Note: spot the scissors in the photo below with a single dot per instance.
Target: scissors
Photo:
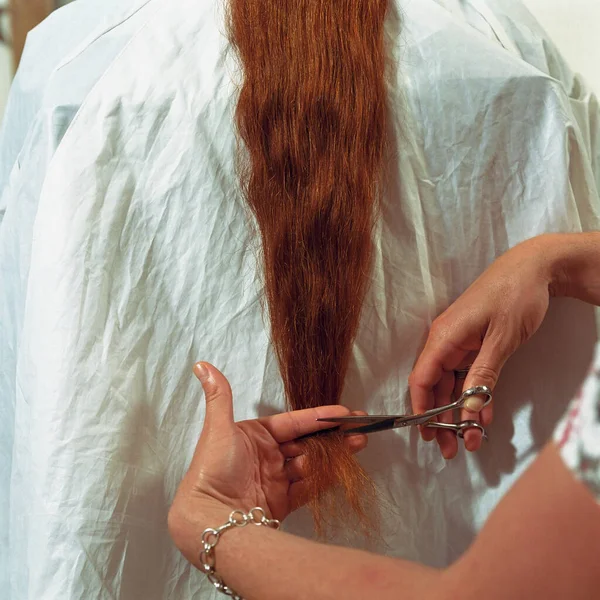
(374, 423)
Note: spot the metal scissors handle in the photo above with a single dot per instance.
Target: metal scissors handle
(459, 428)
(374, 423)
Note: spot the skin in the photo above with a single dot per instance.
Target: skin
(263, 463)
(543, 539)
(500, 311)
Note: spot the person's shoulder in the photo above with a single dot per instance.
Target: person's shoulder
(63, 58)
(519, 40)
(66, 33)
(454, 54)
(454, 38)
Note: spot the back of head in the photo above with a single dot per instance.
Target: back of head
(311, 114)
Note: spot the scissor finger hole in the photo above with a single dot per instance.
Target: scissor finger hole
(472, 438)
(467, 426)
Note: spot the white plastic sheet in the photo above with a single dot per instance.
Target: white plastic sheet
(126, 254)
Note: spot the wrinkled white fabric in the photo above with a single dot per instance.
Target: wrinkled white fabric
(63, 58)
(578, 434)
(126, 254)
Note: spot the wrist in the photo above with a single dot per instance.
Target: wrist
(573, 262)
(213, 514)
(557, 256)
(555, 250)
(189, 517)
(211, 538)
(543, 257)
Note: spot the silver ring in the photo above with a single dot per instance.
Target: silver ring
(460, 374)
(478, 390)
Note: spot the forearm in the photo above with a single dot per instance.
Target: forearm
(574, 264)
(542, 541)
(261, 563)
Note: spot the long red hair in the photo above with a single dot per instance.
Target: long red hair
(312, 118)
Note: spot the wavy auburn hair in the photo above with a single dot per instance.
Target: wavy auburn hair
(312, 118)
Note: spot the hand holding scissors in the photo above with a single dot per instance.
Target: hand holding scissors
(373, 423)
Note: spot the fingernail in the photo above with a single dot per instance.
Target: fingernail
(201, 371)
(474, 404)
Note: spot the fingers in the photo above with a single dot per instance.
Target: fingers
(292, 425)
(294, 452)
(296, 465)
(292, 449)
(424, 377)
(218, 397)
(486, 416)
(485, 370)
(298, 494)
(443, 395)
(437, 360)
(296, 468)
(355, 443)
(448, 348)
(472, 437)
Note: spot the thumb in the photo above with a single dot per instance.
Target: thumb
(218, 396)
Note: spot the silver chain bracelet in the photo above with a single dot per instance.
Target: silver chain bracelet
(210, 538)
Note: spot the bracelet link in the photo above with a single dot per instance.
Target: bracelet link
(210, 538)
(238, 518)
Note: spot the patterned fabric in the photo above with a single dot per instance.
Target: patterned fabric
(578, 435)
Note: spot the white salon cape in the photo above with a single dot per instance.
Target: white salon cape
(127, 253)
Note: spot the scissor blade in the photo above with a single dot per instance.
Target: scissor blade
(359, 419)
(412, 420)
(373, 427)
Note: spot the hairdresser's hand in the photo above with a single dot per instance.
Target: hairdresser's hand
(493, 317)
(246, 464)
